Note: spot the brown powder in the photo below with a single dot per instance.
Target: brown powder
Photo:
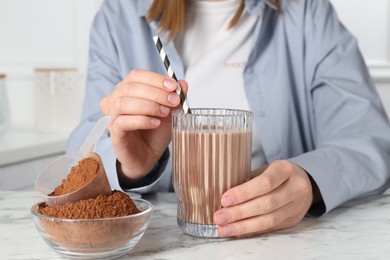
(117, 204)
(94, 228)
(79, 176)
(89, 236)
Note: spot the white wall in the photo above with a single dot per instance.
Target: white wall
(369, 20)
(54, 33)
(36, 34)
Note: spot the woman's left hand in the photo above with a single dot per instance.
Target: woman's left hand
(276, 199)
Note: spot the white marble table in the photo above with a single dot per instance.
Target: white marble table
(358, 230)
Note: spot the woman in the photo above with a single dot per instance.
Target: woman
(321, 134)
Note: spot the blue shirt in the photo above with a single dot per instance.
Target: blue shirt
(307, 84)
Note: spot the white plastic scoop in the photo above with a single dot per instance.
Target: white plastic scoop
(53, 174)
(94, 136)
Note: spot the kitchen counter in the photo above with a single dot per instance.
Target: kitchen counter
(23, 155)
(358, 230)
(23, 145)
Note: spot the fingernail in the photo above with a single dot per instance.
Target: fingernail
(164, 110)
(155, 121)
(174, 99)
(227, 201)
(221, 218)
(227, 231)
(169, 84)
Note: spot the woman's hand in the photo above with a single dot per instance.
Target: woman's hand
(276, 199)
(140, 128)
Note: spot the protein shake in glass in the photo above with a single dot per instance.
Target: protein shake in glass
(211, 151)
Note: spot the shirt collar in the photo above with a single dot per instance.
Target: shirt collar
(143, 7)
(255, 7)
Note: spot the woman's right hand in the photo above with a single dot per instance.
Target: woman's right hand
(140, 110)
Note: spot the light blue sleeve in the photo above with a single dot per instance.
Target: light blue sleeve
(103, 75)
(352, 155)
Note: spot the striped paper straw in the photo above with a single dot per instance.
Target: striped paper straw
(171, 73)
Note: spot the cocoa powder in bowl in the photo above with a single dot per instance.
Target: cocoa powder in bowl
(93, 225)
(103, 223)
(117, 204)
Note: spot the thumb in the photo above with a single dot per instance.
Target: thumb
(104, 105)
(258, 171)
(184, 86)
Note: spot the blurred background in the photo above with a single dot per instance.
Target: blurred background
(43, 59)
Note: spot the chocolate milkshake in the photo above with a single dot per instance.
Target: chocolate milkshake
(211, 153)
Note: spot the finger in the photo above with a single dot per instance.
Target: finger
(270, 179)
(125, 123)
(281, 218)
(137, 106)
(132, 114)
(156, 80)
(140, 90)
(152, 79)
(257, 206)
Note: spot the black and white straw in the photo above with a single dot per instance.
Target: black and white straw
(171, 73)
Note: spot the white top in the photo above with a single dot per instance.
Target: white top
(214, 59)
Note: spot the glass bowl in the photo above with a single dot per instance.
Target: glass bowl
(103, 238)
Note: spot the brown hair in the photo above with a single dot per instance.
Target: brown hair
(173, 14)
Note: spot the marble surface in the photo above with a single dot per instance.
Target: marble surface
(358, 230)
